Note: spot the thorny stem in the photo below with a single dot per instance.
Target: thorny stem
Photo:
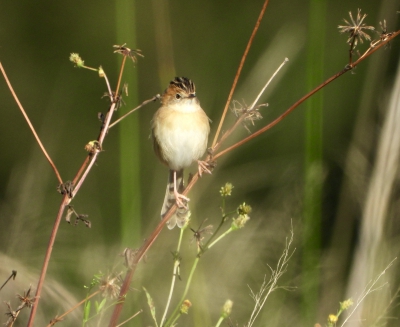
(31, 126)
(74, 307)
(246, 51)
(66, 200)
(174, 274)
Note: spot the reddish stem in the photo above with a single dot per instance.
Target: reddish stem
(246, 51)
(31, 126)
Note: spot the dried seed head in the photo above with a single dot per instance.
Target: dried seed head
(25, 300)
(110, 285)
(356, 29)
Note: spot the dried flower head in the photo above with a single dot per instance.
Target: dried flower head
(66, 188)
(356, 29)
(250, 114)
(25, 300)
(226, 190)
(110, 285)
(78, 217)
(125, 51)
(11, 314)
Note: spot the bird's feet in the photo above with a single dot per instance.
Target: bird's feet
(204, 167)
(181, 200)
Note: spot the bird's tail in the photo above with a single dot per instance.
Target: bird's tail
(180, 216)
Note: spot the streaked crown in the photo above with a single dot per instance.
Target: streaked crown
(180, 90)
(183, 85)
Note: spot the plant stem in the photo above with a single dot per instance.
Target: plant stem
(47, 259)
(74, 307)
(53, 166)
(242, 61)
(220, 237)
(174, 274)
(89, 161)
(221, 319)
(178, 307)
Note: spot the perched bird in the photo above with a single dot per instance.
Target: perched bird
(180, 131)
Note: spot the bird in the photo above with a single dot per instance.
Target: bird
(180, 130)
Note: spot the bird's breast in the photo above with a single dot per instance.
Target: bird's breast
(181, 136)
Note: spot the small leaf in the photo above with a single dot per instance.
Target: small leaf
(150, 302)
(101, 305)
(86, 312)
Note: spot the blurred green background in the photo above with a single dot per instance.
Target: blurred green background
(316, 169)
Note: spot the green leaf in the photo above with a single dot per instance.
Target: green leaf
(101, 305)
(86, 311)
(150, 302)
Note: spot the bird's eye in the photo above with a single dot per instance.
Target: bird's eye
(178, 96)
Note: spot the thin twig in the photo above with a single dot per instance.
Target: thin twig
(368, 290)
(120, 75)
(46, 260)
(243, 116)
(13, 275)
(74, 307)
(246, 51)
(31, 126)
(130, 318)
(304, 98)
(175, 273)
(154, 98)
(175, 314)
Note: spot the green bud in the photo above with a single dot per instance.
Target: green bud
(227, 309)
(76, 59)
